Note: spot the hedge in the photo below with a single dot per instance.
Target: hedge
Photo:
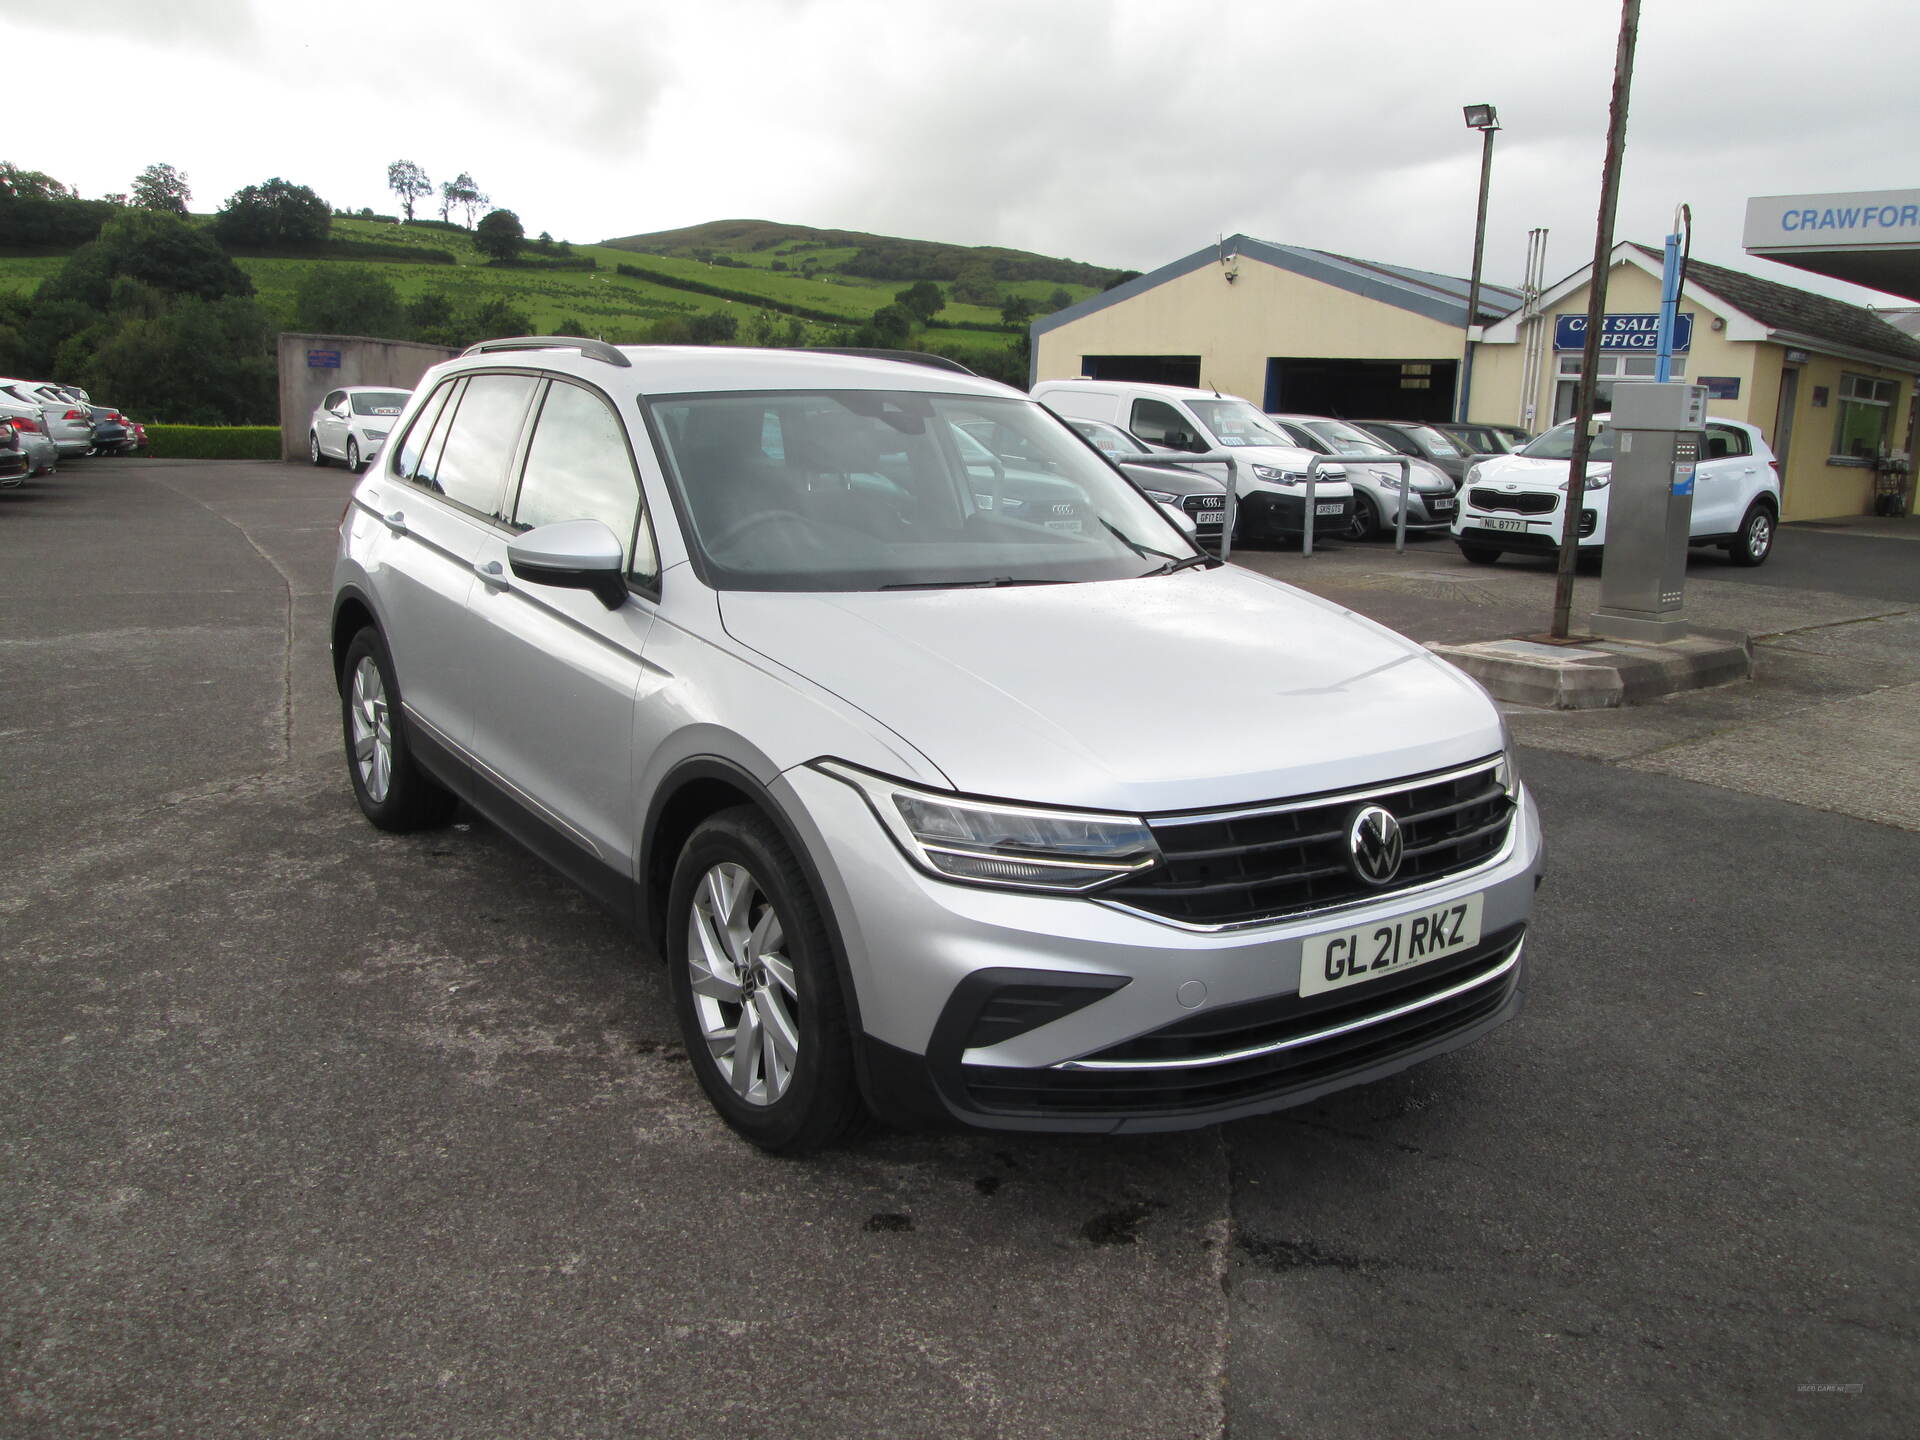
(213, 442)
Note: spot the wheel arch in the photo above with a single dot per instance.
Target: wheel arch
(352, 613)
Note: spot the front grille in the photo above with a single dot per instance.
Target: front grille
(1136, 1092)
(1194, 504)
(1522, 502)
(1250, 865)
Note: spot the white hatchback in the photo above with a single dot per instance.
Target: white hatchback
(351, 424)
(1515, 502)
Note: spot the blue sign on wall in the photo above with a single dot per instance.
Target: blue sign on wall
(323, 359)
(1623, 332)
(1721, 387)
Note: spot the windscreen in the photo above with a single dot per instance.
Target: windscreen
(1435, 441)
(875, 490)
(1557, 444)
(1235, 422)
(379, 402)
(1347, 439)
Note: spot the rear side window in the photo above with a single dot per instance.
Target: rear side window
(406, 456)
(1723, 442)
(471, 468)
(578, 468)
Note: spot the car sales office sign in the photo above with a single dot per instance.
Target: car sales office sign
(1623, 332)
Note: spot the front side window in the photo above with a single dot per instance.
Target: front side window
(1158, 423)
(1866, 415)
(875, 490)
(471, 466)
(414, 444)
(1234, 423)
(578, 468)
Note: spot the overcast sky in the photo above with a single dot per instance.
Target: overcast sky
(1123, 132)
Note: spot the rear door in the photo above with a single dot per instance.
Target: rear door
(560, 673)
(438, 499)
(1725, 480)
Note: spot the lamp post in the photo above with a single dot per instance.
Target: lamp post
(1481, 118)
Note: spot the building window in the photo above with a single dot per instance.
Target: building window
(1866, 414)
(1613, 367)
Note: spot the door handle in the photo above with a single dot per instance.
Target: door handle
(396, 522)
(492, 573)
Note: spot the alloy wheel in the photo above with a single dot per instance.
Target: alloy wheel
(744, 993)
(372, 730)
(1759, 534)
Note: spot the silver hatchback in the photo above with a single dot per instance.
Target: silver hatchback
(935, 806)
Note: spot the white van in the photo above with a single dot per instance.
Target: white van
(1272, 487)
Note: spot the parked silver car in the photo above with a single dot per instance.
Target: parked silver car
(931, 808)
(1376, 488)
(28, 421)
(66, 421)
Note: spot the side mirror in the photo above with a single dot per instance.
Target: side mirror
(572, 555)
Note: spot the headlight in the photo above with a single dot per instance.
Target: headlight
(1507, 772)
(1594, 482)
(1279, 477)
(373, 434)
(1164, 497)
(1473, 475)
(1028, 848)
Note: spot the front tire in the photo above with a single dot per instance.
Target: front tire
(353, 456)
(750, 960)
(314, 457)
(1754, 541)
(1478, 554)
(393, 791)
(1364, 523)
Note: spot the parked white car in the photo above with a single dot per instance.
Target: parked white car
(1376, 488)
(1515, 502)
(351, 423)
(1272, 484)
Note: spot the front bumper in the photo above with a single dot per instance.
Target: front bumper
(927, 958)
(1263, 514)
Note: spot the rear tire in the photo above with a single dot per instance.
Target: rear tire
(1478, 554)
(1754, 541)
(314, 457)
(393, 791)
(755, 987)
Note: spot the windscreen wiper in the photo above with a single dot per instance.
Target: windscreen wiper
(1187, 562)
(995, 582)
(1134, 545)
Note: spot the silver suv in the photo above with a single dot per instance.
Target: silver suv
(935, 806)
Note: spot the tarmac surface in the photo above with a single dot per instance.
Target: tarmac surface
(312, 1128)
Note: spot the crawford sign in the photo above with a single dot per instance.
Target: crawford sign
(1623, 332)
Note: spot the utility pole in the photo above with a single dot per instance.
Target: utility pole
(1596, 316)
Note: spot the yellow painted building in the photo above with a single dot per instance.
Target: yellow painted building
(1831, 385)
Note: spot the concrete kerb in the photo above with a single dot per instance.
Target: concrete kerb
(1600, 674)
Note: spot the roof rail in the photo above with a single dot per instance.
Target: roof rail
(592, 349)
(906, 357)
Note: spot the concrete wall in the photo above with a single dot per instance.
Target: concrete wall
(1815, 483)
(1235, 328)
(363, 361)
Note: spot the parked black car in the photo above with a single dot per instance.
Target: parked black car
(112, 434)
(1422, 441)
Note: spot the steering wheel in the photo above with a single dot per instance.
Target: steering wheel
(753, 522)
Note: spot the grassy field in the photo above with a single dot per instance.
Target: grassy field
(617, 306)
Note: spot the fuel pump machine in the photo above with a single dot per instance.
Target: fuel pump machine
(1658, 435)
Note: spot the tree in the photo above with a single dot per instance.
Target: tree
(460, 193)
(275, 215)
(410, 183)
(167, 252)
(161, 187)
(499, 235)
(974, 284)
(1017, 311)
(890, 324)
(431, 311)
(18, 184)
(495, 318)
(1059, 300)
(205, 362)
(346, 300)
(922, 299)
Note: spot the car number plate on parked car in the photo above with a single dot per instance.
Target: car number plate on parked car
(1329, 507)
(1516, 525)
(1386, 947)
(1439, 506)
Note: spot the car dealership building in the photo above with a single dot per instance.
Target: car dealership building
(1831, 384)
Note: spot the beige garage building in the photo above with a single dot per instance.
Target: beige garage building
(1831, 384)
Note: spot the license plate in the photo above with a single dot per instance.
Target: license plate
(1517, 526)
(1386, 947)
(1440, 507)
(1329, 507)
(1073, 525)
